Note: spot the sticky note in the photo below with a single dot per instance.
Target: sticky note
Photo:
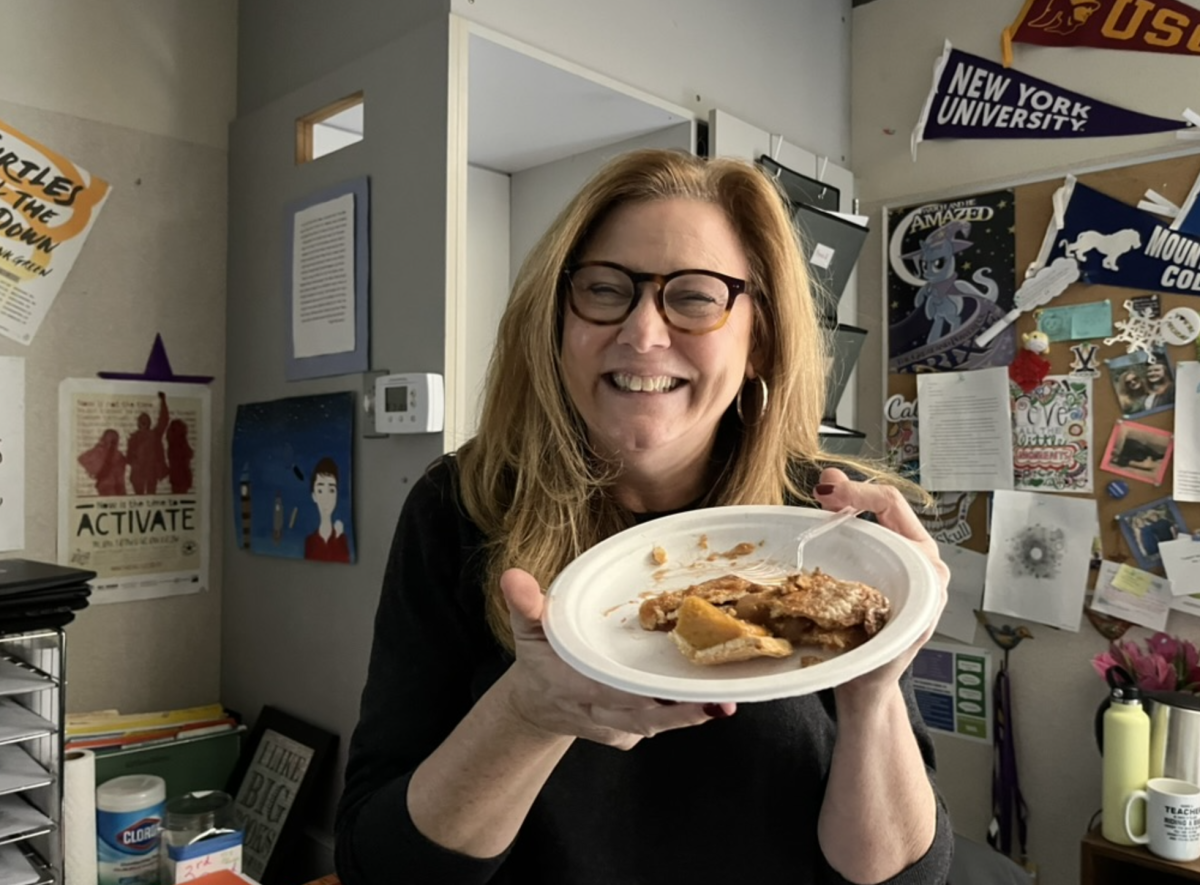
(1132, 580)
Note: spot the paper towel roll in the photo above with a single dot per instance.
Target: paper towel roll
(79, 818)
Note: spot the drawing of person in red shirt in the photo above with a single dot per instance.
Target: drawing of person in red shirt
(145, 453)
(105, 464)
(328, 543)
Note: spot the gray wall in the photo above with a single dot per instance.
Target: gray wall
(296, 635)
(285, 44)
(154, 262)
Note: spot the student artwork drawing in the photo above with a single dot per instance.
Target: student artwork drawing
(1052, 435)
(293, 478)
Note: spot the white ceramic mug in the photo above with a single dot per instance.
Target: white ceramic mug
(1172, 818)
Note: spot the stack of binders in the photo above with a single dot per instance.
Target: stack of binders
(40, 595)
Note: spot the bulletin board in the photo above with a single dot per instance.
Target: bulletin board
(1172, 178)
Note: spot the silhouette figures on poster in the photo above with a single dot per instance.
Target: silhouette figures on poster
(105, 464)
(152, 453)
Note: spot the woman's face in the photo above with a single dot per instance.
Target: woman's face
(1133, 382)
(642, 387)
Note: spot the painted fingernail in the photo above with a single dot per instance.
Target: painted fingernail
(824, 489)
(715, 711)
(665, 703)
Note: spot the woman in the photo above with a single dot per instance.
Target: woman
(480, 756)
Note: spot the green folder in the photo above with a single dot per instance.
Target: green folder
(199, 763)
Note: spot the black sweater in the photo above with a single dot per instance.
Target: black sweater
(605, 816)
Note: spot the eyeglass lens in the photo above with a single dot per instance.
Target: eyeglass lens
(691, 301)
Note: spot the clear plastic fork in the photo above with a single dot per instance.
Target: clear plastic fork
(771, 573)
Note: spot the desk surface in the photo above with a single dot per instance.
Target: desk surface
(1096, 847)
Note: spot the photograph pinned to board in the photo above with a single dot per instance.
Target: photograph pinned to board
(1138, 451)
(1132, 595)
(48, 206)
(12, 453)
(327, 282)
(1052, 435)
(134, 486)
(951, 274)
(1143, 382)
(293, 478)
(282, 761)
(1039, 557)
(1147, 526)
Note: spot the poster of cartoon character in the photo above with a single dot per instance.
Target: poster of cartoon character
(951, 275)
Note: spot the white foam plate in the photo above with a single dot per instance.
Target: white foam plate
(591, 608)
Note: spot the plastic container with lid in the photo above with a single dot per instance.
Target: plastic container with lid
(195, 816)
(129, 815)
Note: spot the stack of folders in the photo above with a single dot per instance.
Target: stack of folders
(107, 731)
(40, 595)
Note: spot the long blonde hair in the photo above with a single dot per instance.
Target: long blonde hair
(528, 479)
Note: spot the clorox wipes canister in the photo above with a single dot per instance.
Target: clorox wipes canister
(129, 816)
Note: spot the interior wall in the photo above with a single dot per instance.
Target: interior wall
(296, 635)
(283, 44)
(540, 193)
(166, 68)
(1055, 691)
(489, 275)
(153, 125)
(783, 65)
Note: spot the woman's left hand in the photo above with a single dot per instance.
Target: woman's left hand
(892, 511)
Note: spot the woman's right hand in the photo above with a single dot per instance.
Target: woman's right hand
(552, 698)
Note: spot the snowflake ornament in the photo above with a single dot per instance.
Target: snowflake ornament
(1142, 331)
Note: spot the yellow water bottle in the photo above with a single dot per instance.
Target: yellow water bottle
(1126, 762)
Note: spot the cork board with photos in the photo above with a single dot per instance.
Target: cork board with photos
(953, 266)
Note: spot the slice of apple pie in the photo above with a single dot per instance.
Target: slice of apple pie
(731, 618)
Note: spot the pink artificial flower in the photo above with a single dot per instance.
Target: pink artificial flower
(1165, 663)
(1164, 645)
(1190, 656)
(1104, 660)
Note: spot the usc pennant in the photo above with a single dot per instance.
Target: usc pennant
(1143, 25)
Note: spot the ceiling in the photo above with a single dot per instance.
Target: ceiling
(524, 112)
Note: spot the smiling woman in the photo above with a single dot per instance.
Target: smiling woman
(660, 352)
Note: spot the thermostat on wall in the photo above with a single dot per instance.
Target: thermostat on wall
(411, 403)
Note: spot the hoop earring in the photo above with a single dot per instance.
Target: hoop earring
(765, 396)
